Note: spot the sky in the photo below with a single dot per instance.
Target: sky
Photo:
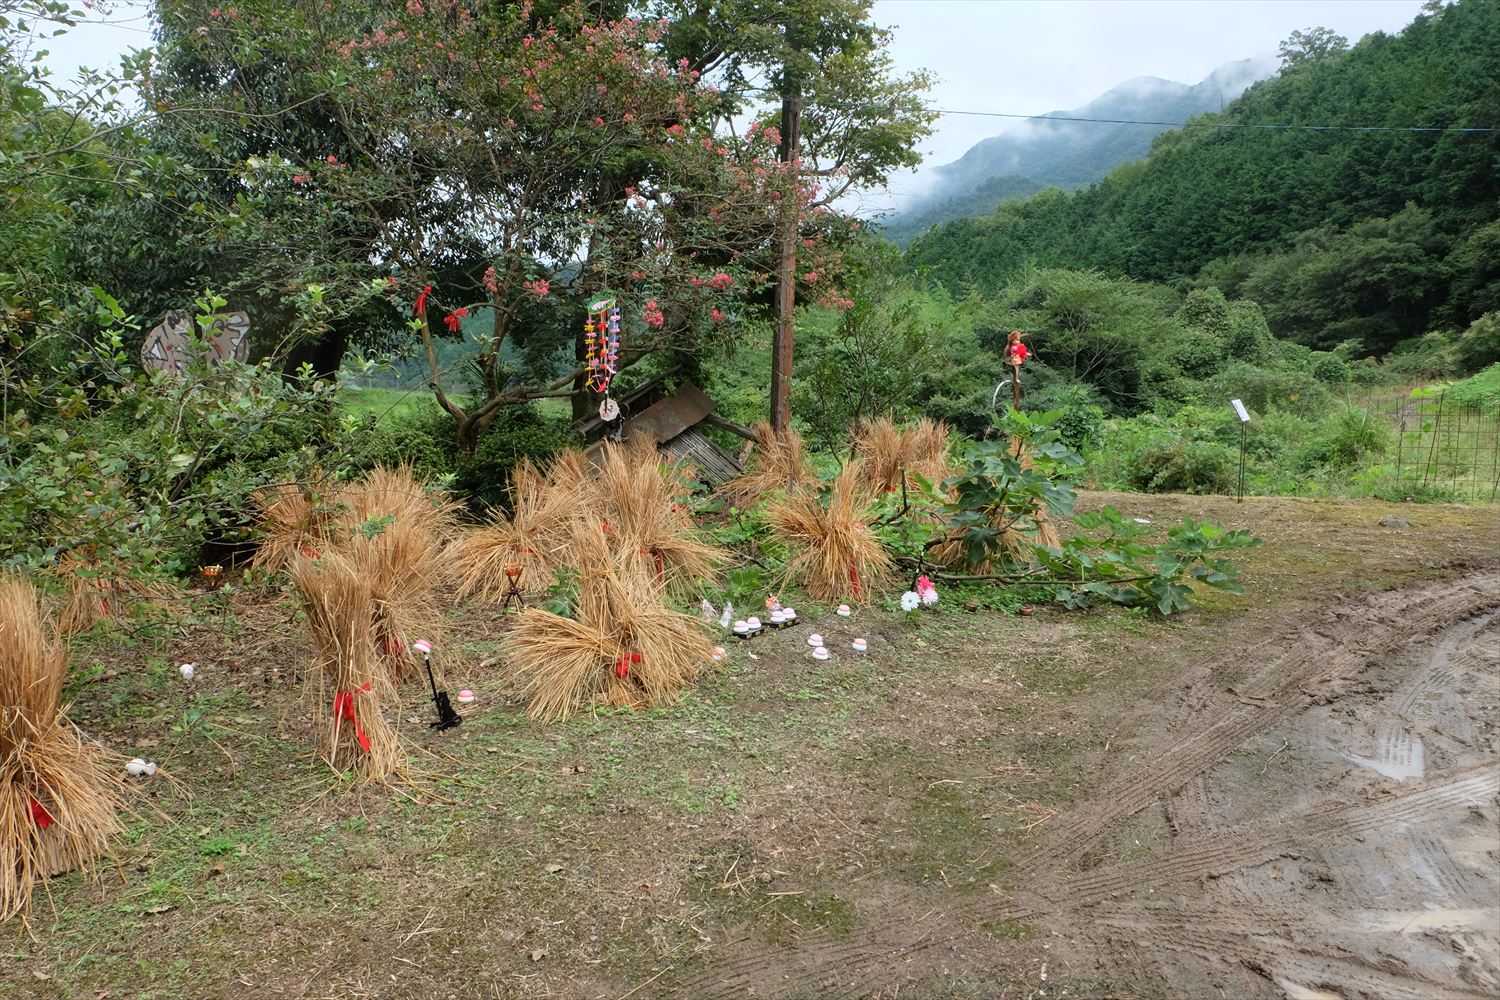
(1013, 56)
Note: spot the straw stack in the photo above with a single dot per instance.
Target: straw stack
(891, 454)
(622, 647)
(531, 537)
(59, 795)
(294, 519)
(353, 682)
(779, 464)
(832, 550)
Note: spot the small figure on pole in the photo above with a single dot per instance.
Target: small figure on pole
(1015, 353)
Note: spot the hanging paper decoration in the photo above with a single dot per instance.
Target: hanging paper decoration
(602, 332)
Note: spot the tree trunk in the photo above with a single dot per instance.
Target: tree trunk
(786, 272)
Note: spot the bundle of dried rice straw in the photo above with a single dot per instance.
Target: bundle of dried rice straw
(832, 550)
(392, 530)
(353, 683)
(98, 591)
(294, 518)
(778, 464)
(647, 527)
(59, 796)
(622, 647)
(891, 454)
(530, 538)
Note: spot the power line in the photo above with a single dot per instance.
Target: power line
(1281, 127)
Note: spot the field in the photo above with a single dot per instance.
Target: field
(1272, 791)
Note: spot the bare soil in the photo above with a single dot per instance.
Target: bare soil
(1293, 793)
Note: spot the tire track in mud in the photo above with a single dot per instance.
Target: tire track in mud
(1315, 663)
(1291, 683)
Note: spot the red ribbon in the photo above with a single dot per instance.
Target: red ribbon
(661, 566)
(854, 579)
(421, 305)
(39, 814)
(623, 667)
(343, 709)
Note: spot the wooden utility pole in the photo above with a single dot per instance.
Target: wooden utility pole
(786, 272)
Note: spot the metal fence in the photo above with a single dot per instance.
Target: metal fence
(1443, 447)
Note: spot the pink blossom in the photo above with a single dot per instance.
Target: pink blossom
(718, 315)
(720, 281)
(491, 282)
(539, 287)
(598, 122)
(636, 276)
(674, 129)
(330, 158)
(299, 178)
(414, 7)
(696, 281)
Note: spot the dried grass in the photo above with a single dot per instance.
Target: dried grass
(779, 464)
(528, 538)
(59, 796)
(832, 550)
(646, 522)
(890, 453)
(293, 518)
(623, 647)
(353, 683)
(98, 592)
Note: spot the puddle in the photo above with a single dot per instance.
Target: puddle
(1399, 755)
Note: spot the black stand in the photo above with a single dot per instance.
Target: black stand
(447, 717)
(1242, 463)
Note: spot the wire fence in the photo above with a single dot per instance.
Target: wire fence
(1442, 449)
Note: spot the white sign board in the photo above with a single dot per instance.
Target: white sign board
(1240, 411)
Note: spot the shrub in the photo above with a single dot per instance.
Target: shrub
(1182, 463)
(1481, 390)
(1330, 368)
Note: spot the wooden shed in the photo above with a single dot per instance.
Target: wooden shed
(675, 420)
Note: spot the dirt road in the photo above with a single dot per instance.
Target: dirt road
(1314, 816)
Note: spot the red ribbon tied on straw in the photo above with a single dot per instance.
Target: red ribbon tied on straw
(623, 667)
(343, 710)
(39, 814)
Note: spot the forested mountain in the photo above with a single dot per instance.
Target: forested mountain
(1039, 153)
(1357, 228)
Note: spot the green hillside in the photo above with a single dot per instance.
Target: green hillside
(1340, 233)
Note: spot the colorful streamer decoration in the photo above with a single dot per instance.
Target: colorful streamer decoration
(603, 334)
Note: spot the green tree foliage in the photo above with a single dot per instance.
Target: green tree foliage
(1342, 234)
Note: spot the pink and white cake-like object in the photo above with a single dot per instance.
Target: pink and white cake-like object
(815, 640)
(466, 697)
(820, 653)
(860, 645)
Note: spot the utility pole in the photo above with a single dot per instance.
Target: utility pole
(786, 272)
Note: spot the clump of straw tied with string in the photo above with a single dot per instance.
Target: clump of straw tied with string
(832, 549)
(354, 684)
(60, 795)
(622, 645)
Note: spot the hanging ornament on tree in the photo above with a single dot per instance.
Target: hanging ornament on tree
(602, 333)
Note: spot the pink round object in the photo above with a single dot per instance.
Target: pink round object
(422, 646)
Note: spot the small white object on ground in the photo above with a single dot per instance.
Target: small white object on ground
(753, 622)
(778, 617)
(910, 600)
(742, 628)
(844, 611)
(138, 767)
(791, 614)
(187, 670)
(718, 653)
(465, 696)
(815, 640)
(820, 653)
(727, 616)
(1141, 520)
(860, 645)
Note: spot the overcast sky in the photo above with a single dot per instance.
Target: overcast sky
(1014, 56)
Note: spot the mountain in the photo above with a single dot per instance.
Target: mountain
(1353, 196)
(1038, 154)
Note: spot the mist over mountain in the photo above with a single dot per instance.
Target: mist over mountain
(1037, 154)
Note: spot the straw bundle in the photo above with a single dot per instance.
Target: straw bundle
(392, 530)
(293, 518)
(97, 592)
(353, 682)
(891, 453)
(529, 538)
(59, 796)
(780, 463)
(832, 551)
(646, 522)
(622, 648)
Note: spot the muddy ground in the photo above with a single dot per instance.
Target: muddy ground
(1291, 793)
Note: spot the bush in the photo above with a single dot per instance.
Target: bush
(1330, 368)
(1354, 436)
(1481, 390)
(1183, 464)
